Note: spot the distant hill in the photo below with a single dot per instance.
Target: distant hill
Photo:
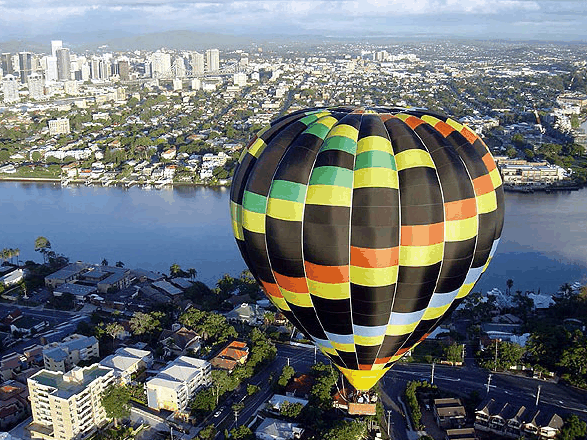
(186, 39)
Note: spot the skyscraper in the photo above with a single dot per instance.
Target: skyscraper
(25, 61)
(63, 65)
(160, 64)
(7, 66)
(197, 63)
(36, 86)
(212, 60)
(55, 46)
(10, 89)
(124, 70)
(50, 66)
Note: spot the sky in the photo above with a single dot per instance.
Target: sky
(563, 20)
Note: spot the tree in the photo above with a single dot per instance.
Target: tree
(193, 273)
(454, 352)
(346, 430)
(241, 433)
(42, 245)
(574, 428)
(113, 328)
(146, 323)
(174, 269)
(291, 410)
(115, 401)
(286, 374)
(252, 389)
(509, 283)
(207, 433)
(119, 264)
(104, 262)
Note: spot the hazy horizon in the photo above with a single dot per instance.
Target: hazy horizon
(544, 20)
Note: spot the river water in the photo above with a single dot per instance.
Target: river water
(544, 242)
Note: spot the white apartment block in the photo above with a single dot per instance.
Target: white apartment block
(126, 361)
(10, 89)
(176, 384)
(59, 126)
(68, 406)
(61, 356)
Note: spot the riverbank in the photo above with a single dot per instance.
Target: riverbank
(120, 184)
(529, 189)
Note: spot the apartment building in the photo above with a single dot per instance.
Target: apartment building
(67, 405)
(127, 361)
(61, 356)
(176, 384)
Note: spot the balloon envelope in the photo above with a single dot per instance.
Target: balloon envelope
(366, 226)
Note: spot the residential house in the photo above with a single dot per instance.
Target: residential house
(277, 401)
(67, 406)
(449, 413)
(126, 361)
(62, 356)
(461, 434)
(249, 313)
(229, 357)
(11, 277)
(14, 405)
(174, 386)
(28, 325)
(274, 429)
(300, 386)
(514, 420)
(179, 342)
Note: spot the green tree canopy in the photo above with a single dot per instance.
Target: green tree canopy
(115, 401)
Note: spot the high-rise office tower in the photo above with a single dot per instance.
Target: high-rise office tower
(212, 60)
(197, 63)
(36, 86)
(124, 70)
(7, 66)
(63, 64)
(160, 64)
(49, 64)
(10, 88)
(25, 62)
(55, 46)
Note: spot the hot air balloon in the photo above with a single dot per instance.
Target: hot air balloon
(364, 227)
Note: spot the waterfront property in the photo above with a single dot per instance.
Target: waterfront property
(67, 406)
(104, 278)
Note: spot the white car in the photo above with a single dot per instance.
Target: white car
(217, 413)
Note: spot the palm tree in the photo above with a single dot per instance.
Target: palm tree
(509, 283)
(104, 262)
(16, 254)
(193, 273)
(42, 245)
(174, 269)
(119, 264)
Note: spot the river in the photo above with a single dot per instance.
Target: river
(544, 242)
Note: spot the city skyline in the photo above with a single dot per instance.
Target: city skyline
(501, 19)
